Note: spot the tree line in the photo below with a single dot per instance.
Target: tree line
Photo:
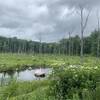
(68, 46)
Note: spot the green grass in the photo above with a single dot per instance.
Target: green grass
(19, 89)
(37, 90)
(22, 61)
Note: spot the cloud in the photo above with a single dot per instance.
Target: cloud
(52, 18)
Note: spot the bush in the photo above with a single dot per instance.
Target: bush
(69, 81)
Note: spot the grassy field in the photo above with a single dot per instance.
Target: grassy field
(69, 80)
(22, 61)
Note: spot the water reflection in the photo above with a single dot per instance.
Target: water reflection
(26, 75)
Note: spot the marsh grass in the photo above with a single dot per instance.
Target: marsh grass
(17, 89)
(70, 81)
(13, 62)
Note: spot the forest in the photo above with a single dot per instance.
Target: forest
(68, 46)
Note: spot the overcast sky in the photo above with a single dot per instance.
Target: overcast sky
(53, 19)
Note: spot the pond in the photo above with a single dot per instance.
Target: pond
(25, 75)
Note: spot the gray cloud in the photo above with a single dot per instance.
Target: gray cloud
(52, 18)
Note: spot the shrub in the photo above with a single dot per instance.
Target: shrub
(68, 81)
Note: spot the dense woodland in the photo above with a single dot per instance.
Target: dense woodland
(69, 46)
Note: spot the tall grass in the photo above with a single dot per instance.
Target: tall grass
(20, 89)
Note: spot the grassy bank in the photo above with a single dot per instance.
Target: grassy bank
(12, 62)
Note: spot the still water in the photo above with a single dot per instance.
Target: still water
(26, 75)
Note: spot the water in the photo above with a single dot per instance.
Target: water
(26, 75)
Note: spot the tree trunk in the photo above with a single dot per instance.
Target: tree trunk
(81, 36)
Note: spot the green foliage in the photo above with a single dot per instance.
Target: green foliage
(66, 83)
(70, 80)
(65, 46)
(74, 80)
(98, 92)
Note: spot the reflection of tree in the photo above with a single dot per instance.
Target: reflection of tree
(2, 80)
(18, 73)
(11, 75)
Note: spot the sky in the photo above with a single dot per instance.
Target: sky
(50, 19)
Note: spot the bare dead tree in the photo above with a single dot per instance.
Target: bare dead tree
(98, 41)
(83, 27)
(69, 48)
(39, 36)
(69, 43)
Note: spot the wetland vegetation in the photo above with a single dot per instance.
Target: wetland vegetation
(36, 66)
(69, 79)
